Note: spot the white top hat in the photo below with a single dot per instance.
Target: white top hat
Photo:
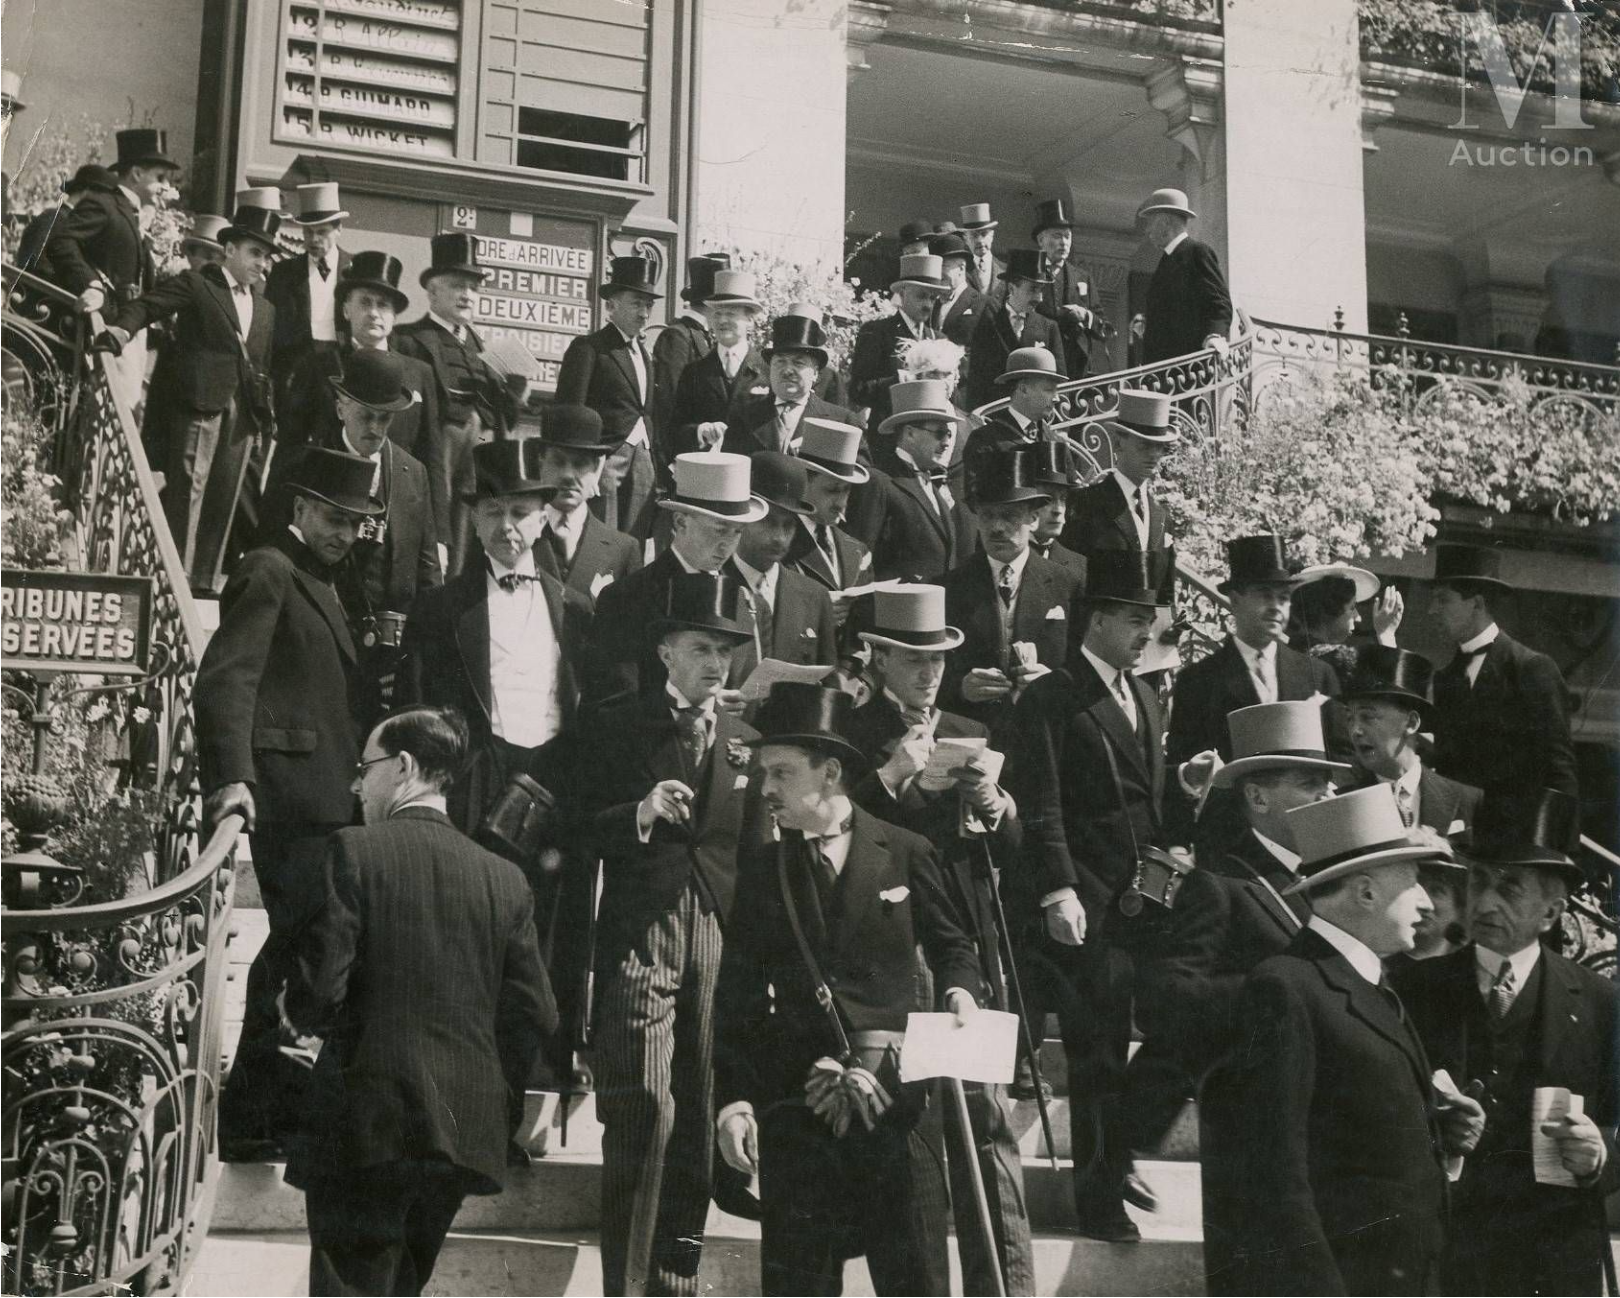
(918, 401)
(1348, 834)
(714, 484)
(832, 448)
(976, 216)
(1271, 735)
(912, 617)
(734, 288)
(1145, 415)
(206, 230)
(319, 205)
(923, 269)
(267, 198)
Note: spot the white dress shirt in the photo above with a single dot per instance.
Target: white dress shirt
(323, 300)
(1480, 641)
(638, 360)
(1262, 665)
(1488, 964)
(1174, 243)
(1136, 493)
(1113, 678)
(1353, 949)
(1409, 784)
(732, 358)
(761, 589)
(568, 526)
(524, 658)
(457, 331)
(1288, 860)
(242, 300)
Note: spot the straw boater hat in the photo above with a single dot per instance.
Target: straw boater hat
(1166, 200)
(1253, 560)
(1144, 415)
(631, 275)
(703, 601)
(912, 617)
(376, 379)
(1469, 566)
(976, 216)
(257, 217)
(918, 401)
(1127, 577)
(500, 468)
(1009, 477)
(715, 485)
(735, 288)
(374, 270)
(454, 253)
(1349, 834)
(1031, 363)
(1276, 736)
(1366, 583)
(834, 449)
(1025, 263)
(1052, 214)
(922, 270)
(780, 480)
(807, 716)
(1539, 833)
(335, 478)
(319, 205)
(1398, 675)
(700, 272)
(205, 231)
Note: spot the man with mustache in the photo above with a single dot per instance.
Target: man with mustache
(578, 548)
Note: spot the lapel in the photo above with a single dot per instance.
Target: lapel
(220, 294)
(1124, 524)
(619, 350)
(472, 631)
(720, 780)
(1034, 601)
(1293, 674)
(318, 592)
(1004, 329)
(1561, 1010)
(908, 483)
(812, 563)
(1245, 854)
(556, 602)
(660, 749)
(865, 875)
(1105, 711)
(1239, 685)
(132, 215)
(593, 544)
(1437, 801)
(1371, 1006)
(300, 289)
(981, 609)
(1493, 670)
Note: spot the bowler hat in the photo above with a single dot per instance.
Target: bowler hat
(829, 447)
(1399, 675)
(807, 716)
(780, 480)
(1127, 577)
(922, 270)
(976, 216)
(375, 379)
(700, 273)
(142, 146)
(714, 484)
(1251, 560)
(1145, 415)
(572, 427)
(735, 288)
(337, 479)
(703, 601)
(318, 205)
(454, 253)
(1007, 477)
(798, 333)
(1270, 736)
(374, 270)
(1031, 363)
(1350, 833)
(206, 231)
(1539, 829)
(1166, 200)
(1025, 264)
(500, 468)
(90, 176)
(918, 401)
(257, 217)
(1465, 566)
(1052, 214)
(631, 275)
(944, 246)
(911, 617)
(915, 232)
(1366, 583)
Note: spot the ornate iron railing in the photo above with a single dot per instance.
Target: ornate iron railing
(112, 1013)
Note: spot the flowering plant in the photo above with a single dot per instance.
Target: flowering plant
(844, 305)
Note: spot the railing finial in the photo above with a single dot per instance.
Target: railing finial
(1403, 328)
(1338, 318)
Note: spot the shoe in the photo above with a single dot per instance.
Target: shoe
(1111, 1226)
(1023, 1084)
(736, 1199)
(517, 1156)
(1137, 1193)
(250, 1150)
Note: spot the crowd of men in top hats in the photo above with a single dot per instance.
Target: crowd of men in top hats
(679, 651)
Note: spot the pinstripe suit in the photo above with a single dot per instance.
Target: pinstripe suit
(664, 903)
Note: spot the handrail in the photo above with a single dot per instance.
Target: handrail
(1597, 849)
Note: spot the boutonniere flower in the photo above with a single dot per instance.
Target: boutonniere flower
(737, 753)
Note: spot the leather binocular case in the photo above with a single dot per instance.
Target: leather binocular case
(383, 629)
(514, 825)
(1156, 882)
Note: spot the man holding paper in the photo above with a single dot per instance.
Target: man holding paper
(815, 992)
(1518, 1024)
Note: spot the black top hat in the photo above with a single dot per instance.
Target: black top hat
(781, 480)
(1252, 559)
(1007, 477)
(90, 176)
(141, 146)
(1385, 672)
(1054, 465)
(1025, 263)
(454, 253)
(337, 479)
(1463, 566)
(577, 428)
(703, 601)
(1541, 829)
(376, 379)
(915, 232)
(1052, 214)
(798, 333)
(950, 245)
(374, 270)
(700, 275)
(807, 716)
(631, 274)
(500, 468)
(1127, 576)
(257, 223)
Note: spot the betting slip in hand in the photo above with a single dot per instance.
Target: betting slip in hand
(892, 583)
(773, 670)
(1551, 1104)
(1445, 1088)
(951, 755)
(982, 1049)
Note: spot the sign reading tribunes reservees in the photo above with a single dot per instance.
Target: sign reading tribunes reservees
(91, 623)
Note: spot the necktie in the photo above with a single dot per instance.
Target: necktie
(1403, 800)
(783, 429)
(323, 269)
(559, 547)
(693, 730)
(1042, 548)
(829, 551)
(764, 624)
(1265, 683)
(1393, 998)
(917, 717)
(1500, 997)
(1122, 695)
(1470, 660)
(728, 365)
(1017, 319)
(822, 871)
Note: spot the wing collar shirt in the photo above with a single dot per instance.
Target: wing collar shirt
(524, 658)
(1483, 640)
(1353, 949)
(638, 361)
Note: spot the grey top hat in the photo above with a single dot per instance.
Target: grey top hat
(1272, 735)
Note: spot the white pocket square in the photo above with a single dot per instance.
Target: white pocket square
(758, 392)
(1056, 614)
(866, 561)
(1456, 827)
(895, 895)
(741, 782)
(600, 582)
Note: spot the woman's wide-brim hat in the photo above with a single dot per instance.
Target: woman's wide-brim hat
(911, 617)
(1128, 577)
(1144, 415)
(714, 484)
(1031, 363)
(1539, 830)
(735, 288)
(1256, 560)
(829, 447)
(1398, 675)
(1166, 200)
(703, 601)
(807, 716)
(504, 467)
(376, 379)
(920, 401)
(257, 217)
(335, 478)
(319, 205)
(1277, 736)
(1366, 583)
(1469, 565)
(378, 271)
(454, 253)
(1350, 834)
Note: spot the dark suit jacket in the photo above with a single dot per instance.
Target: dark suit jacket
(802, 629)
(867, 949)
(1071, 286)
(1100, 519)
(1077, 833)
(854, 560)
(423, 975)
(1069, 560)
(1510, 733)
(308, 409)
(209, 362)
(272, 698)
(993, 341)
(1441, 802)
(874, 365)
(1208, 689)
(998, 268)
(1187, 301)
(464, 378)
(100, 240)
(680, 344)
(597, 372)
(962, 319)
(1040, 616)
(1340, 1166)
(287, 286)
(751, 422)
(908, 538)
(705, 396)
(601, 553)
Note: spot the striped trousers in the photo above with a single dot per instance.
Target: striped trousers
(654, 1051)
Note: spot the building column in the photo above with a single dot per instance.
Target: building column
(768, 129)
(1188, 93)
(1295, 208)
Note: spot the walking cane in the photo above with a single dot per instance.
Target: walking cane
(979, 1197)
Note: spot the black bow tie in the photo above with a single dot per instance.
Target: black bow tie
(509, 581)
(1042, 548)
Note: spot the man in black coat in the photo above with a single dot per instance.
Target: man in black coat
(684, 341)
(808, 1092)
(1501, 715)
(277, 744)
(769, 421)
(1507, 1014)
(1087, 769)
(577, 548)
(1188, 306)
(956, 313)
(99, 252)
(909, 513)
(984, 268)
(1066, 295)
(32, 247)
(1119, 510)
(422, 975)
(1012, 323)
(831, 452)
(304, 289)
(1030, 383)
(730, 371)
(215, 388)
(874, 365)
(611, 372)
(1338, 1132)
